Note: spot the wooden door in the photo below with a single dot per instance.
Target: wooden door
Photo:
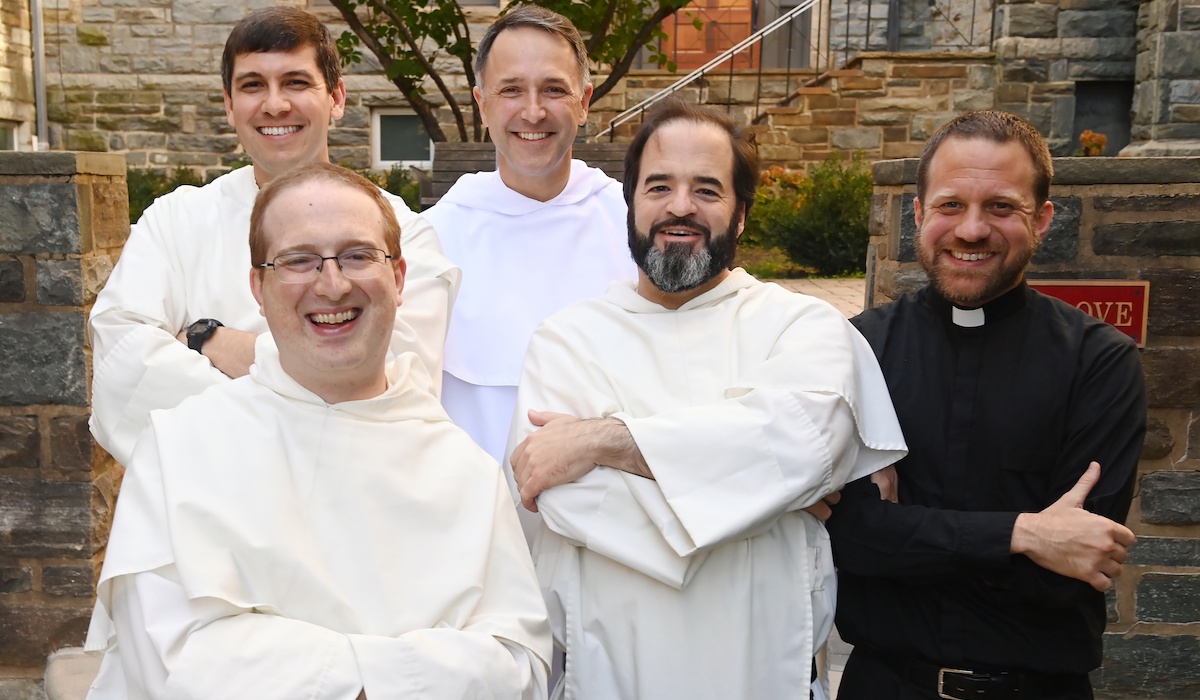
(726, 22)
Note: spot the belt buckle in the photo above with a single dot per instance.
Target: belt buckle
(941, 680)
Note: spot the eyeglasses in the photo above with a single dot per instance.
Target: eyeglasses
(356, 264)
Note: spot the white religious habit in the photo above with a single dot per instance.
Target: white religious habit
(188, 258)
(268, 545)
(522, 260)
(748, 403)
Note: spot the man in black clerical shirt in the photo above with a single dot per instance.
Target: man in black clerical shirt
(1024, 419)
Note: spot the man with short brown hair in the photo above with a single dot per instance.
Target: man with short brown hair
(319, 528)
(174, 317)
(1024, 420)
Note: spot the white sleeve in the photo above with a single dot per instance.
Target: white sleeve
(172, 647)
(722, 472)
(138, 365)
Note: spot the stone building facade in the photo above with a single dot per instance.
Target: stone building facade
(1118, 219)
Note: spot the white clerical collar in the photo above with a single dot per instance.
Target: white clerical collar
(967, 318)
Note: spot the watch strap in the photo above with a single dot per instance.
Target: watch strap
(199, 332)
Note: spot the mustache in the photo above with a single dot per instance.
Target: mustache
(678, 222)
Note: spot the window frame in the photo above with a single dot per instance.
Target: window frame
(377, 141)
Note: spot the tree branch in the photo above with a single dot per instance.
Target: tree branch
(620, 68)
(423, 109)
(598, 35)
(429, 69)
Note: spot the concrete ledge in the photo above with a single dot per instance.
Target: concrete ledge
(61, 163)
(1074, 171)
(69, 674)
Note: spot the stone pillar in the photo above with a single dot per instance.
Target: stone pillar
(1166, 101)
(63, 219)
(1117, 218)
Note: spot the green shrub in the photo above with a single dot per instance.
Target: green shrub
(819, 221)
(399, 181)
(147, 185)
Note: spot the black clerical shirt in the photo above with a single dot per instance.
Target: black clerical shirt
(1001, 418)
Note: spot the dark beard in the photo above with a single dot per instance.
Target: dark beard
(1004, 279)
(677, 268)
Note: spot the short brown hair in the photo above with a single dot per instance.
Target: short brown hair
(281, 28)
(329, 173)
(745, 150)
(998, 127)
(539, 18)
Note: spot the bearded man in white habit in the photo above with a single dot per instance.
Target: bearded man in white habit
(688, 420)
(176, 316)
(318, 528)
(539, 233)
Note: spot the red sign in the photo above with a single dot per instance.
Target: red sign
(1121, 303)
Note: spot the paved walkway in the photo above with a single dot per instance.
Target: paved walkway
(845, 294)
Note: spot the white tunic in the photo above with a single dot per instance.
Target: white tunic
(187, 258)
(522, 260)
(269, 545)
(748, 404)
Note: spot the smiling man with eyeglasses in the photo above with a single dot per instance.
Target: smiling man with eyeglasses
(286, 534)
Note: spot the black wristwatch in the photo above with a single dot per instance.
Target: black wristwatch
(199, 332)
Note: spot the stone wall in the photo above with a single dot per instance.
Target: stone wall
(16, 63)
(63, 220)
(1167, 98)
(1117, 218)
(1044, 48)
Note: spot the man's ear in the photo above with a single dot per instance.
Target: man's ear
(1045, 215)
(400, 268)
(228, 108)
(741, 224)
(256, 284)
(477, 92)
(918, 214)
(587, 101)
(339, 100)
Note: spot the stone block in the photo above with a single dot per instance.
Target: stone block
(1180, 55)
(205, 12)
(116, 64)
(834, 117)
(20, 443)
(110, 214)
(1059, 70)
(1144, 665)
(44, 359)
(173, 46)
(879, 214)
(1165, 551)
(1096, 23)
(1153, 238)
(894, 283)
(89, 35)
(29, 632)
(71, 444)
(39, 218)
(925, 126)
(1171, 598)
(906, 149)
(1111, 614)
(99, 15)
(1159, 442)
(1177, 132)
(1025, 71)
(894, 172)
(16, 579)
(96, 271)
(808, 135)
(1185, 91)
(207, 143)
(1171, 379)
(1032, 20)
(12, 280)
(45, 519)
(355, 118)
(60, 282)
(1170, 498)
(74, 581)
(1170, 202)
(885, 119)
(906, 251)
(971, 100)
(1189, 18)
(858, 138)
(348, 137)
(85, 140)
(1185, 113)
(1174, 301)
(1061, 243)
(1193, 445)
(981, 77)
(138, 123)
(150, 30)
(149, 64)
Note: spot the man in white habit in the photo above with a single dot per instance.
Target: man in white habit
(318, 528)
(720, 408)
(539, 233)
(176, 316)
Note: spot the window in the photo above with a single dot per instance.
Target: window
(398, 138)
(8, 135)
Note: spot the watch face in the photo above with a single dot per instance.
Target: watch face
(197, 327)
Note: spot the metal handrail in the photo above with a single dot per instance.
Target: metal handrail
(754, 38)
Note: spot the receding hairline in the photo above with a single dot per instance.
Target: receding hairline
(1030, 184)
(571, 67)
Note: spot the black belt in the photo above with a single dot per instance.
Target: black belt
(974, 684)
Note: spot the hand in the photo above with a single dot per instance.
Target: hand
(230, 350)
(362, 694)
(888, 482)
(1071, 541)
(565, 448)
(820, 510)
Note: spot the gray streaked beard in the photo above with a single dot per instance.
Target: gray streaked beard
(677, 269)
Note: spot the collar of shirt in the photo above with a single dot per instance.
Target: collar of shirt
(488, 192)
(995, 310)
